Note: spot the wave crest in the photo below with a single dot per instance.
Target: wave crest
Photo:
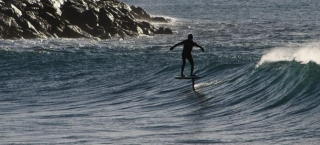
(304, 54)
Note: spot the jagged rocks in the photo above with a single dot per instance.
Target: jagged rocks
(17, 3)
(106, 19)
(159, 19)
(75, 18)
(10, 28)
(2, 3)
(89, 17)
(57, 26)
(98, 31)
(140, 13)
(51, 6)
(73, 31)
(29, 31)
(72, 13)
(11, 11)
(162, 30)
(37, 21)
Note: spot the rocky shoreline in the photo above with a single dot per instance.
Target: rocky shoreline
(94, 19)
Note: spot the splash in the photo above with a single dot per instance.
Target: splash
(210, 83)
(303, 54)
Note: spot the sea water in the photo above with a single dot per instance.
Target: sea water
(260, 80)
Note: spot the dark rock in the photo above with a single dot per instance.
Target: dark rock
(52, 6)
(93, 6)
(126, 11)
(78, 3)
(168, 31)
(98, 31)
(117, 14)
(106, 19)
(147, 28)
(147, 25)
(73, 31)
(34, 9)
(86, 28)
(121, 33)
(31, 2)
(127, 33)
(2, 3)
(11, 11)
(17, 12)
(36, 21)
(162, 30)
(106, 36)
(11, 29)
(72, 13)
(29, 31)
(57, 26)
(7, 11)
(132, 26)
(159, 19)
(127, 18)
(7, 21)
(111, 30)
(140, 13)
(2, 31)
(13, 35)
(34, 6)
(17, 3)
(74, 18)
(30, 34)
(88, 17)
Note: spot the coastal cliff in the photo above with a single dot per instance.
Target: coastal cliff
(94, 19)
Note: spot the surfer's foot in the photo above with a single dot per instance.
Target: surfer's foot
(193, 75)
(183, 75)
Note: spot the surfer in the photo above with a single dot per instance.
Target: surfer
(186, 53)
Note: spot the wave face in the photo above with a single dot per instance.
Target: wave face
(259, 85)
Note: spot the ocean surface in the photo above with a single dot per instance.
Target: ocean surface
(260, 80)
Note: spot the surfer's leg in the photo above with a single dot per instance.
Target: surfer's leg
(191, 63)
(183, 64)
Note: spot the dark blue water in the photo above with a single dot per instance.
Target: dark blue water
(260, 80)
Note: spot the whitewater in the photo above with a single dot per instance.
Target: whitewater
(260, 80)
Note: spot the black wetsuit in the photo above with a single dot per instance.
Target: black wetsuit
(186, 53)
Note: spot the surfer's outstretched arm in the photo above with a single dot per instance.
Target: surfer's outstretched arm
(195, 44)
(176, 45)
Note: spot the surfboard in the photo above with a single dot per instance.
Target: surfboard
(187, 77)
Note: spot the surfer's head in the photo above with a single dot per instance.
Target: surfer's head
(190, 36)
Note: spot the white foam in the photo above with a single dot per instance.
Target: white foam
(302, 53)
(210, 83)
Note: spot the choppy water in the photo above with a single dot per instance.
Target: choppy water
(260, 85)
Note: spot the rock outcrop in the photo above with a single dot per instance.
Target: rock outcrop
(94, 19)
